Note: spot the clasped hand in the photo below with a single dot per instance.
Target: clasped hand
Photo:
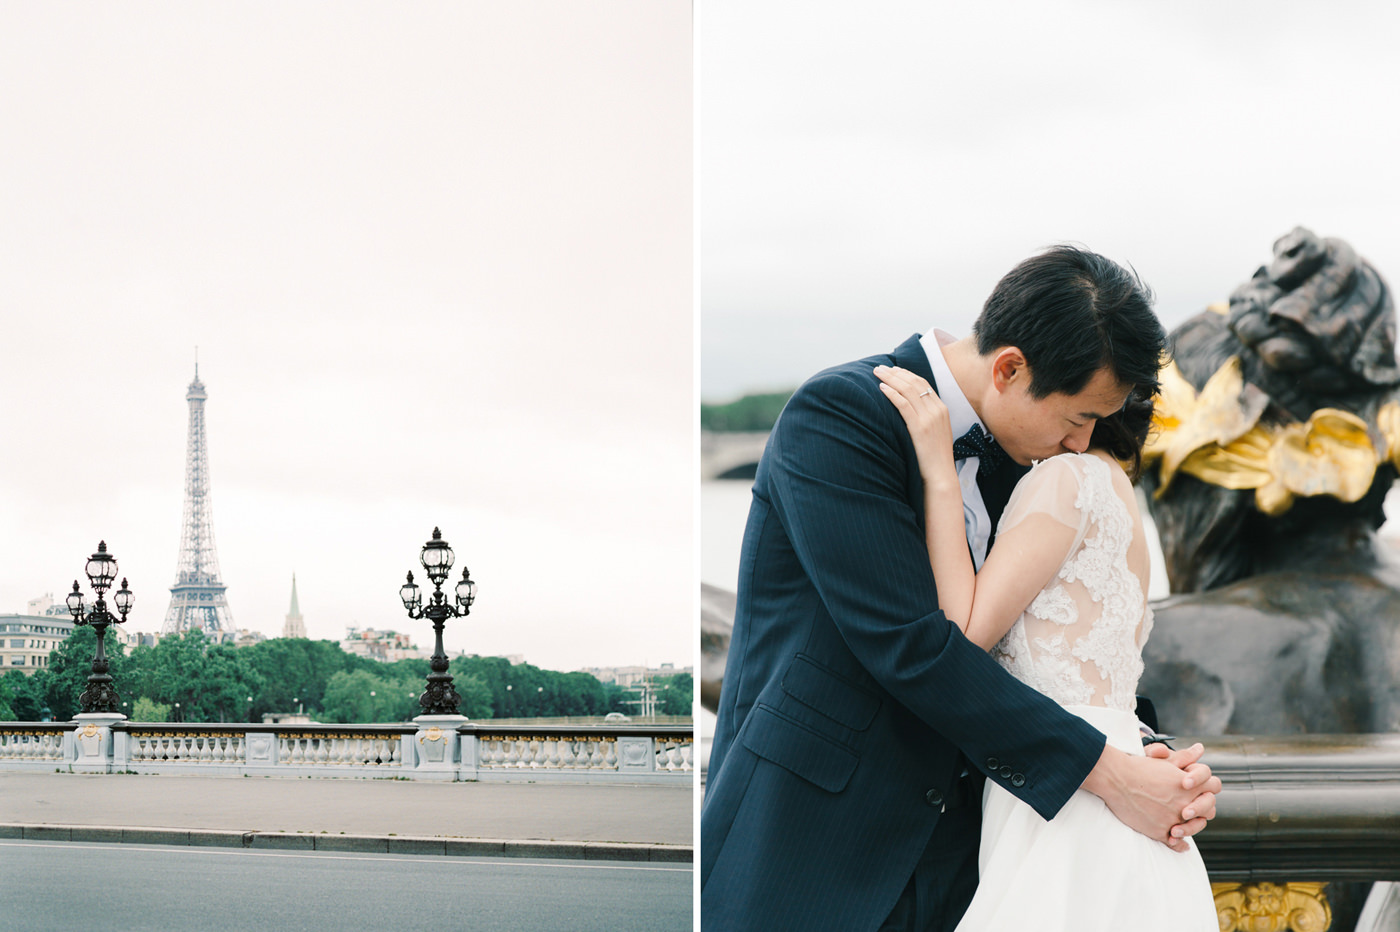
(1167, 795)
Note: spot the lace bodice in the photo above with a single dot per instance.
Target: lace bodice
(1080, 640)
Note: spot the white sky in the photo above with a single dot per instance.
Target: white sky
(437, 260)
(871, 170)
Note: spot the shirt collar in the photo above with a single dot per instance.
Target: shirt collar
(961, 417)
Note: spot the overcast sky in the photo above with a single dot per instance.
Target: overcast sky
(871, 170)
(437, 259)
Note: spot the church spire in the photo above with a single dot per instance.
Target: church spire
(295, 627)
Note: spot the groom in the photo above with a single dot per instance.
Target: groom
(856, 723)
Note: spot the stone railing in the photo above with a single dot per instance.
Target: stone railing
(433, 748)
(324, 750)
(1297, 812)
(1321, 807)
(658, 751)
(31, 746)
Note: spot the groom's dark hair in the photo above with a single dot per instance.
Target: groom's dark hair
(1072, 312)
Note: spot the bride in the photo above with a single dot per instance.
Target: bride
(1061, 603)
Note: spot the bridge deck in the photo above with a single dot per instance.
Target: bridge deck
(373, 809)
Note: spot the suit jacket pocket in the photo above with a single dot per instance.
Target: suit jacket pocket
(829, 693)
(794, 746)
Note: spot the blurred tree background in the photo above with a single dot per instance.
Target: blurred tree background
(751, 412)
(188, 679)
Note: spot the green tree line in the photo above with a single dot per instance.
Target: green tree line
(752, 412)
(188, 679)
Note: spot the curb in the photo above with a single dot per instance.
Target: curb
(373, 844)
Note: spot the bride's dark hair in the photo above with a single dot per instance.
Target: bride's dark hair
(1123, 432)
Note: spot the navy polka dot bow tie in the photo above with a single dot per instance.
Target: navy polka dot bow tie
(977, 442)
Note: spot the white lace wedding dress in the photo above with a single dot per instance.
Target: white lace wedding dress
(1080, 643)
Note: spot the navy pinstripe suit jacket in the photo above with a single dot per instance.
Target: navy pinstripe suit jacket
(849, 700)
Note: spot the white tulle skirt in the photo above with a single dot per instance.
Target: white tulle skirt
(1083, 870)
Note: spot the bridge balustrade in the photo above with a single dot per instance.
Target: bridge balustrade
(443, 750)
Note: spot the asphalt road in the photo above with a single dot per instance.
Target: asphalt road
(58, 887)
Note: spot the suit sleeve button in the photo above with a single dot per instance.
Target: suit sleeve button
(1005, 772)
(934, 798)
(993, 763)
(1018, 779)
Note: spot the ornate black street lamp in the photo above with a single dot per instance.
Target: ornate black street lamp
(101, 569)
(439, 698)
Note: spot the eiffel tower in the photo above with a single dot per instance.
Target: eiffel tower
(197, 601)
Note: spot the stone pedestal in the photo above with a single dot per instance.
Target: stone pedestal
(261, 749)
(436, 747)
(89, 746)
(635, 755)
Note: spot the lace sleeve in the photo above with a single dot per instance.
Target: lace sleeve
(1051, 488)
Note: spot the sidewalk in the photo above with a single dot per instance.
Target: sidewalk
(596, 821)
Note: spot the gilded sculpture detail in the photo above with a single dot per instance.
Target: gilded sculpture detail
(1269, 907)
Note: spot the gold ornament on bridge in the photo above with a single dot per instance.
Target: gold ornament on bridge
(1216, 436)
(1268, 907)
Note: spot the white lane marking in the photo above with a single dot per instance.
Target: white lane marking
(349, 856)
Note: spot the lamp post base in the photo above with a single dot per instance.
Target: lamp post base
(90, 744)
(437, 747)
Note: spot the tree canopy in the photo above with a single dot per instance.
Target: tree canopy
(187, 678)
(751, 412)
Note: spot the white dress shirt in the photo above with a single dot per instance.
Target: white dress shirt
(976, 521)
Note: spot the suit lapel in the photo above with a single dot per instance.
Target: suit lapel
(996, 488)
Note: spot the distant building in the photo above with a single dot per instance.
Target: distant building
(514, 660)
(641, 683)
(628, 677)
(243, 637)
(26, 640)
(287, 718)
(295, 627)
(44, 606)
(385, 646)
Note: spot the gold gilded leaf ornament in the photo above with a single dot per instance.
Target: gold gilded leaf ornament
(1241, 464)
(1216, 437)
(1186, 424)
(1331, 454)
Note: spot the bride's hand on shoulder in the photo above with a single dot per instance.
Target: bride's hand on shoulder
(926, 416)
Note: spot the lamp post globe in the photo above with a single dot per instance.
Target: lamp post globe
(101, 568)
(436, 557)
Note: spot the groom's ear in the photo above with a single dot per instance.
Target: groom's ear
(1009, 368)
